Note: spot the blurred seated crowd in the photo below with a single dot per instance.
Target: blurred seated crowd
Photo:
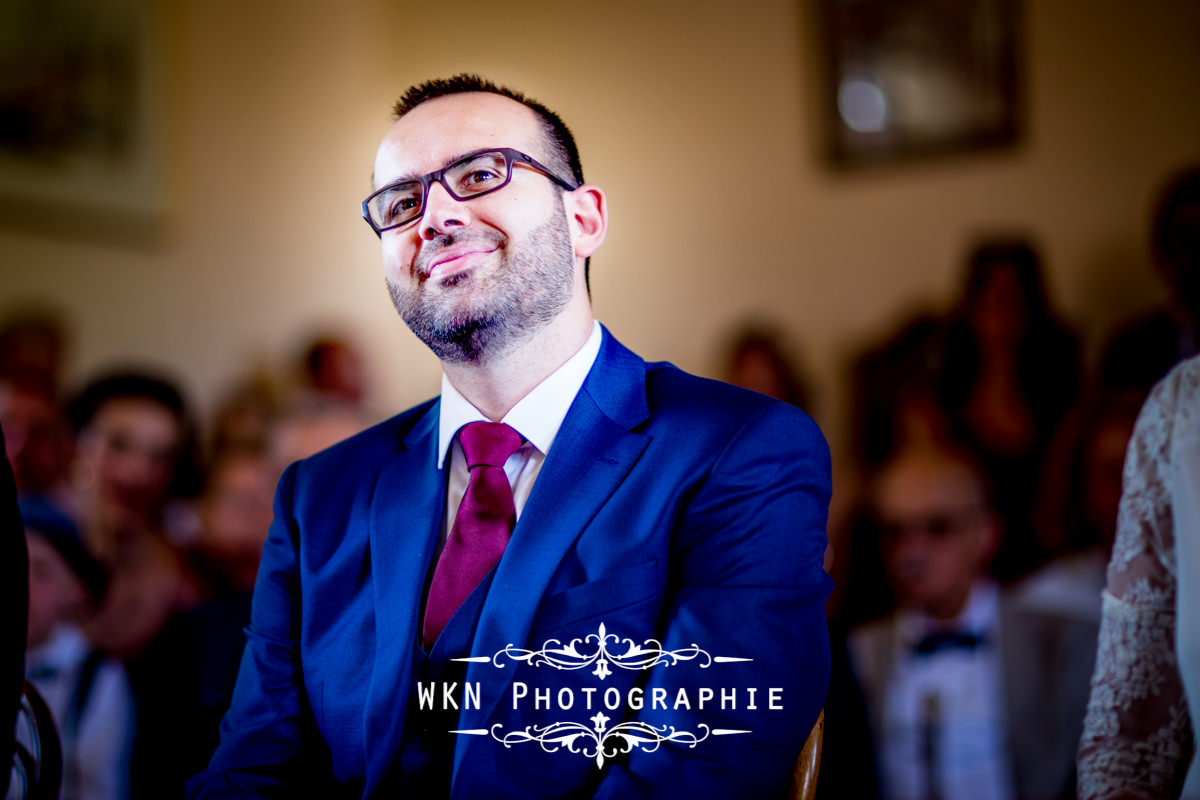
(144, 535)
(969, 537)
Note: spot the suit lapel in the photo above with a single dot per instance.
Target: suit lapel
(1017, 670)
(592, 453)
(406, 511)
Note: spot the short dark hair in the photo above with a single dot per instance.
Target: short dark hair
(151, 387)
(41, 517)
(1018, 254)
(126, 384)
(563, 153)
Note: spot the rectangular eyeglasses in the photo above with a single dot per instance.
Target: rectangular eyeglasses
(473, 175)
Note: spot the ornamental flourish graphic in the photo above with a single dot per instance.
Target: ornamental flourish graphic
(597, 742)
(600, 743)
(604, 650)
(594, 649)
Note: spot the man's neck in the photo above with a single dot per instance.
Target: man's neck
(497, 384)
(947, 609)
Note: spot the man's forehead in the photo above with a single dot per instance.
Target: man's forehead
(439, 130)
(926, 484)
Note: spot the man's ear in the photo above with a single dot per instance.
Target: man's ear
(588, 211)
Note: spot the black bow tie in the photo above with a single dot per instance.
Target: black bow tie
(947, 640)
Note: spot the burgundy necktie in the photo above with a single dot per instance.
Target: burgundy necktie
(484, 521)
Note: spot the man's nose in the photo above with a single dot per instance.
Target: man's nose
(442, 212)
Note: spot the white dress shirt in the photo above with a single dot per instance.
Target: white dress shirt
(950, 702)
(537, 417)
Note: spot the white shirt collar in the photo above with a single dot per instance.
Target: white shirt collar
(65, 646)
(538, 415)
(978, 616)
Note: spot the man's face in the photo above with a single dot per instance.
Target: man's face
(236, 512)
(472, 278)
(131, 446)
(936, 531)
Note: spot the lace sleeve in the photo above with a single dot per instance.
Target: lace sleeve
(1137, 737)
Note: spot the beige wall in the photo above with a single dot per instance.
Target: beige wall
(279, 107)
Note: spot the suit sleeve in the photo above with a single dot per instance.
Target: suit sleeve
(268, 744)
(747, 581)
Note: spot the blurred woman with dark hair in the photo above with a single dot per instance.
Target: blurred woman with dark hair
(133, 435)
(1011, 372)
(757, 357)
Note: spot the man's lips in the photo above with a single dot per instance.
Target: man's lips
(452, 260)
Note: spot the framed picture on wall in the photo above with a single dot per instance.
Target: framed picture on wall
(904, 79)
(83, 118)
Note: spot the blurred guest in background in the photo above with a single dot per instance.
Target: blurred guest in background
(960, 675)
(1078, 507)
(325, 408)
(195, 660)
(1138, 739)
(132, 436)
(1142, 351)
(895, 392)
(235, 513)
(299, 433)
(36, 439)
(88, 693)
(896, 407)
(758, 358)
(1093, 440)
(331, 375)
(1010, 374)
(245, 414)
(33, 341)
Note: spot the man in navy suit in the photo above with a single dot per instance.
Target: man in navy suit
(653, 624)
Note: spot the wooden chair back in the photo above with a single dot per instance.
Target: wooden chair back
(38, 760)
(804, 773)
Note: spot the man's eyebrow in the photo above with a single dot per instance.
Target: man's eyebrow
(414, 176)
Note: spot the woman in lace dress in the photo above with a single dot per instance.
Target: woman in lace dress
(1137, 739)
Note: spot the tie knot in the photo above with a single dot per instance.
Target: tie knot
(488, 443)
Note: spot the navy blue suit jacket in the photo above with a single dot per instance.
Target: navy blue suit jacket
(670, 508)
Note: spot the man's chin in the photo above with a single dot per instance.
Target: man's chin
(455, 280)
(462, 339)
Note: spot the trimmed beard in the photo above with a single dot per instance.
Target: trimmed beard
(529, 287)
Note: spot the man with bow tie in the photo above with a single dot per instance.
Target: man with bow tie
(972, 690)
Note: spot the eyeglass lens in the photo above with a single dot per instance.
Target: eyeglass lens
(938, 525)
(473, 176)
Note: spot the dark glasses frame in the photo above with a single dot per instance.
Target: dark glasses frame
(939, 525)
(511, 157)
